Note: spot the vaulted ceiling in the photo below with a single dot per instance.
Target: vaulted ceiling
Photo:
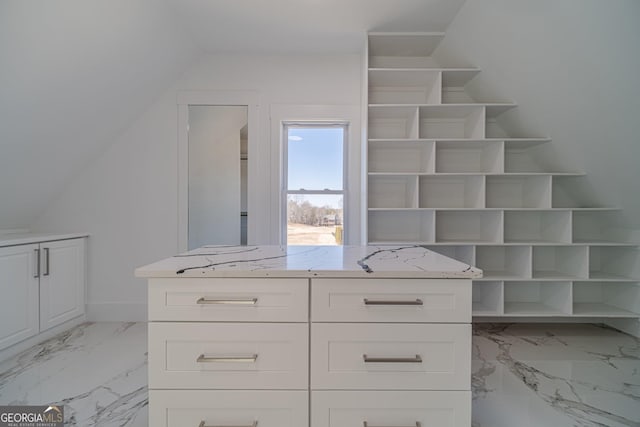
(76, 73)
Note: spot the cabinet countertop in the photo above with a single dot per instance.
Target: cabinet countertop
(310, 261)
(13, 239)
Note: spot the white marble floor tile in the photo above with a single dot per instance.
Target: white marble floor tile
(554, 375)
(523, 376)
(98, 371)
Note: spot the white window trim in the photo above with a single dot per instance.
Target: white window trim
(350, 114)
(284, 192)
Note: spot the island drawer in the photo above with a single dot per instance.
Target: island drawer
(391, 300)
(189, 408)
(228, 355)
(229, 299)
(390, 408)
(390, 356)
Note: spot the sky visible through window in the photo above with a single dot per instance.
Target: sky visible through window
(315, 161)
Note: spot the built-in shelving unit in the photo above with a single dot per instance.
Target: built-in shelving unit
(444, 174)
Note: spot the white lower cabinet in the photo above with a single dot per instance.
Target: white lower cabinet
(369, 354)
(42, 286)
(390, 408)
(207, 408)
(19, 290)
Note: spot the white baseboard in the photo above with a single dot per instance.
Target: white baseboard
(117, 312)
(41, 337)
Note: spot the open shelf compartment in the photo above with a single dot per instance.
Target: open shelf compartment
(393, 122)
(403, 50)
(595, 226)
(462, 253)
(520, 158)
(504, 262)
(451, 192)
(404, 87)
(393, 191)
(519, 192)
(606, 299)
(401, 226)
(468, 227)
(487, 298)
(537, 298)
(614, 263)
(469, 157)
(537, 226)
(443, 121)
(401, 156)
(560, 262)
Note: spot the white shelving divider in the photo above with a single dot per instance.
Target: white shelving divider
(442, 172)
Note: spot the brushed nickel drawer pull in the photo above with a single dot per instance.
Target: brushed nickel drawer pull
(368, 359)
(418, 424)
(228, 301)
(416, 301)
(228, 359)
(255, 424)
(37, 266)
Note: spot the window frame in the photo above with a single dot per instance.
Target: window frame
(285, 192)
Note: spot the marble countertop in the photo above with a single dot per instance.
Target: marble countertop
(12, 239)
(310, 261)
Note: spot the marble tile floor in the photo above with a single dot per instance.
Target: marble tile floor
(524, 375)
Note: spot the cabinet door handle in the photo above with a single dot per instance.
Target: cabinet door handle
(46, 262)
(416, 301)
(222, 359)
(37, 255)
(416, 359)
(228, 301)
(254, 424)
(365, 424)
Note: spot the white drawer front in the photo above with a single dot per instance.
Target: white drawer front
(228, 356)
(187, 408)
(390, 357)
(391, 300)
(391, 408)
(235, 300)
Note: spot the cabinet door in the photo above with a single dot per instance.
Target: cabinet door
(62, 281)
(18, 294)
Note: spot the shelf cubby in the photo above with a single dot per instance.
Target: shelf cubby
(469, 157)
(518, 191)
(392, 227)
(560, 262)
(404, 86)
(468, 227)
(537, 226)
(595, 226)
(487, 298)
(451, 121)
(504, 262)
(393, 122)
(451, 191)
(537, 298)
(401, 156)
(393, 191)
(606, 299)
(461, 253)
(571, 192)
(403, 50)
(525, 158)
(614, 263)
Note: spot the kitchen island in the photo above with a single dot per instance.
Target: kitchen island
(321, 336)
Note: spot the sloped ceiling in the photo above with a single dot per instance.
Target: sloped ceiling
(76, 73)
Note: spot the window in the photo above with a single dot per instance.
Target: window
(314, 193)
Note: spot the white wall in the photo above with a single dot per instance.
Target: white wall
(127, 199)
(573, 67)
